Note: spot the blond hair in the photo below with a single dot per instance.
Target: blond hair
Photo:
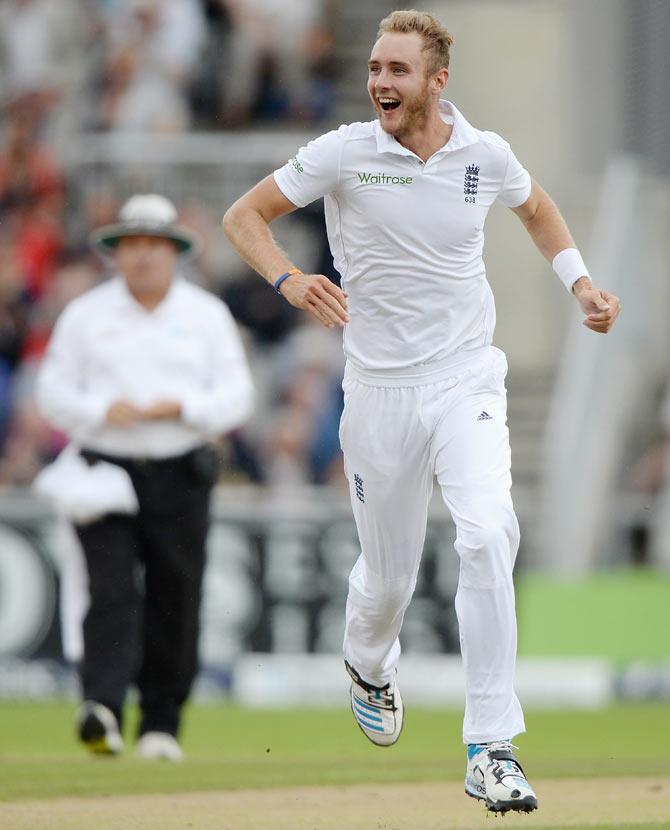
(436, 37)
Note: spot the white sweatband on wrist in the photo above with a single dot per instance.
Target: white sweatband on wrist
(569, 266)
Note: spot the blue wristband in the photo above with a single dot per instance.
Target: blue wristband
(285, 276)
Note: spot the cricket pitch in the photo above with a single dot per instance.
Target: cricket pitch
(604, 803)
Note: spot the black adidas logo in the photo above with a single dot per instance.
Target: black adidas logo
(358, 483)
(485, 417)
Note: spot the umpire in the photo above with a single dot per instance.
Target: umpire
(141, 372)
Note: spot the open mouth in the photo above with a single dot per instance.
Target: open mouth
(388, 104)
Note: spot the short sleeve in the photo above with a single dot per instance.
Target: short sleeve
(313, 172)
(516, 186)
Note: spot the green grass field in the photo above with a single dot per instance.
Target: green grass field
(230, 748)
(289, 770)
(620, 613)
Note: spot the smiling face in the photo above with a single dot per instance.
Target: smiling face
(402, 90)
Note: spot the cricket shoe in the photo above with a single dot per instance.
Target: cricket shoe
(98, 729)
(495, 776)
(378, 710)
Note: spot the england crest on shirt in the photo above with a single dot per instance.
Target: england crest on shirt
(471, 182)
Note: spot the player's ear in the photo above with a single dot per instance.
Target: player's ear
(440, 79)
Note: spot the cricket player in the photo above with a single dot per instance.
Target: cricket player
(406, 197)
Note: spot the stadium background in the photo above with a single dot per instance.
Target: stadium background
(198, 99)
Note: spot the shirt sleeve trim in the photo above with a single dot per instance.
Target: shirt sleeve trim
(513, 203)
(286, 189)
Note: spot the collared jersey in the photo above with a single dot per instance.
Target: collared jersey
(407, 237)
(107, 347)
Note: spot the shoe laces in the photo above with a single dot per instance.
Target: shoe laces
(383, 697)
(505, 746)
(510, 767)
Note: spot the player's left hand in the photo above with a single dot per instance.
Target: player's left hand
(600, 307)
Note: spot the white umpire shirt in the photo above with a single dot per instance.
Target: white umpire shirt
(107, 347)
(407, 237)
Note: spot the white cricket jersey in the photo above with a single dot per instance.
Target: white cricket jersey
(407, 237)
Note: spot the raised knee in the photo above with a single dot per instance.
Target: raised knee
(380, 594)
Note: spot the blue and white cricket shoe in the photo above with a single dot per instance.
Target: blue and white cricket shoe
(378, 710)
(495, 776)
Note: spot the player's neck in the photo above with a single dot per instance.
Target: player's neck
(427, 139)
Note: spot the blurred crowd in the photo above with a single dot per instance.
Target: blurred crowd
(157, 65)
(168, 65)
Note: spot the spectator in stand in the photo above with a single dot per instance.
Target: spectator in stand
(31, 197)
(25, 328)
(274, 48)
(43, 51)
(14, 305)
(152, 54)
(28, 168)
(301, 443)
(206, 91)
(14, 309)
(39, 239)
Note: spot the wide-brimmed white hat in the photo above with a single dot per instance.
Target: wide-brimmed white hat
(146, 215)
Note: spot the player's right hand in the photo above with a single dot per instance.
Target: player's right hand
(123, 414)
(317, 295)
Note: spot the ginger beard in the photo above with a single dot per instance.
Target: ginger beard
(410, 116)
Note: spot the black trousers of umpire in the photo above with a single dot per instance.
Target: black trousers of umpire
(146, 631)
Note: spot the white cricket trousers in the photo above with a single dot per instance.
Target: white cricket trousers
(398, 432)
